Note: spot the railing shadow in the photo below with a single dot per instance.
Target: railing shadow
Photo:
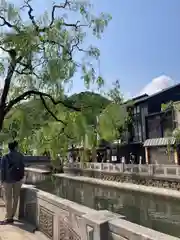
(25, 226)
(28, 209)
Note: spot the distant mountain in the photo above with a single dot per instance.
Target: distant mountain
(92, 104)
(89, 99)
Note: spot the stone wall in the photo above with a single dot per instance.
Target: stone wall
(61, 219)
(163, 176)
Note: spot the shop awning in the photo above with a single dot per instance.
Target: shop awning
(153, 142)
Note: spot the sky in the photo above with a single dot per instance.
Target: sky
(140, 47)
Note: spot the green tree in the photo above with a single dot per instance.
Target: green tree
(41, 55)
(23, 121)
(35, 128)
(113, 122)
(91, 103)
(114, 119)
(115, 93)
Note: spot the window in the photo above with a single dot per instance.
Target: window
(139, 132)
(144, 113)
(154, 127)
(134, 110)
(135, 133)
(138, 109)
(137, 124)
(145, 110)
(167, 124)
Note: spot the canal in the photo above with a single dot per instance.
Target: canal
(159, 213)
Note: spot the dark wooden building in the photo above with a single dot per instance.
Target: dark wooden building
(149, 122)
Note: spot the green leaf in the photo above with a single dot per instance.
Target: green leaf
(49, 58)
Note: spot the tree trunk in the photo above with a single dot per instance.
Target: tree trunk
(94, 155)
(2, 115)
(5, 91)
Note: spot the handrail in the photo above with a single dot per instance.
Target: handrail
(145, 169)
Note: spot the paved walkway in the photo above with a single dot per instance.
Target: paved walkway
(17, 231)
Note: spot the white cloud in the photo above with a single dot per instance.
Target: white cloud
(127, 96)
(157, 84)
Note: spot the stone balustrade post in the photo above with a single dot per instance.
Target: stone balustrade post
(96, 225)
(151, 170)
(177, 171)
(122, 167)
(165, 171)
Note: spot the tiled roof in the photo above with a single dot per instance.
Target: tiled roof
(157, 93)
(159, 142)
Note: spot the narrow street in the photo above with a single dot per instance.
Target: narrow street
(17, 231)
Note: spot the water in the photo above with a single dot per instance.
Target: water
(159, 213)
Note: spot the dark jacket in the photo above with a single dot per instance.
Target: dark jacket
(15, 157)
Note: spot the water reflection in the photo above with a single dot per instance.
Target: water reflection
(159, 213)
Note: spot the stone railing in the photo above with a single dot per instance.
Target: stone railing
(61, 219)
(166, 176)
(141, 169)
(34, 175)
(36, 160)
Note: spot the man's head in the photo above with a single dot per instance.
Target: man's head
(13, 145)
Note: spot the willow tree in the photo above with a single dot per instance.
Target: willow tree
(23, 122)
(36, 129)
(115, 118)
(113, 122)
(41, 55)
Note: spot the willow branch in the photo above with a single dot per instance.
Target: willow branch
(39, 29)
(51, 112)
(62, 6)
(30, 93)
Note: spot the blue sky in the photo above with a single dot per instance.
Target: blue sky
(142, 42)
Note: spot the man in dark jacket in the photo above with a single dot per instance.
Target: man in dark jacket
(12, 173)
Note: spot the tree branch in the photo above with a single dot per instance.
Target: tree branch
(27, 69)
(50, 112)
(66, 3)
(30, 15)
(23, 72)
(60, 6)
(7, 81)
(8, 24)
(39, 29)
(63, 132)
(68, 51)
(30, 93)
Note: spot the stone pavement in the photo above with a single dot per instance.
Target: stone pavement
(17, 231)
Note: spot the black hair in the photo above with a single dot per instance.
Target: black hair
(12, 145)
